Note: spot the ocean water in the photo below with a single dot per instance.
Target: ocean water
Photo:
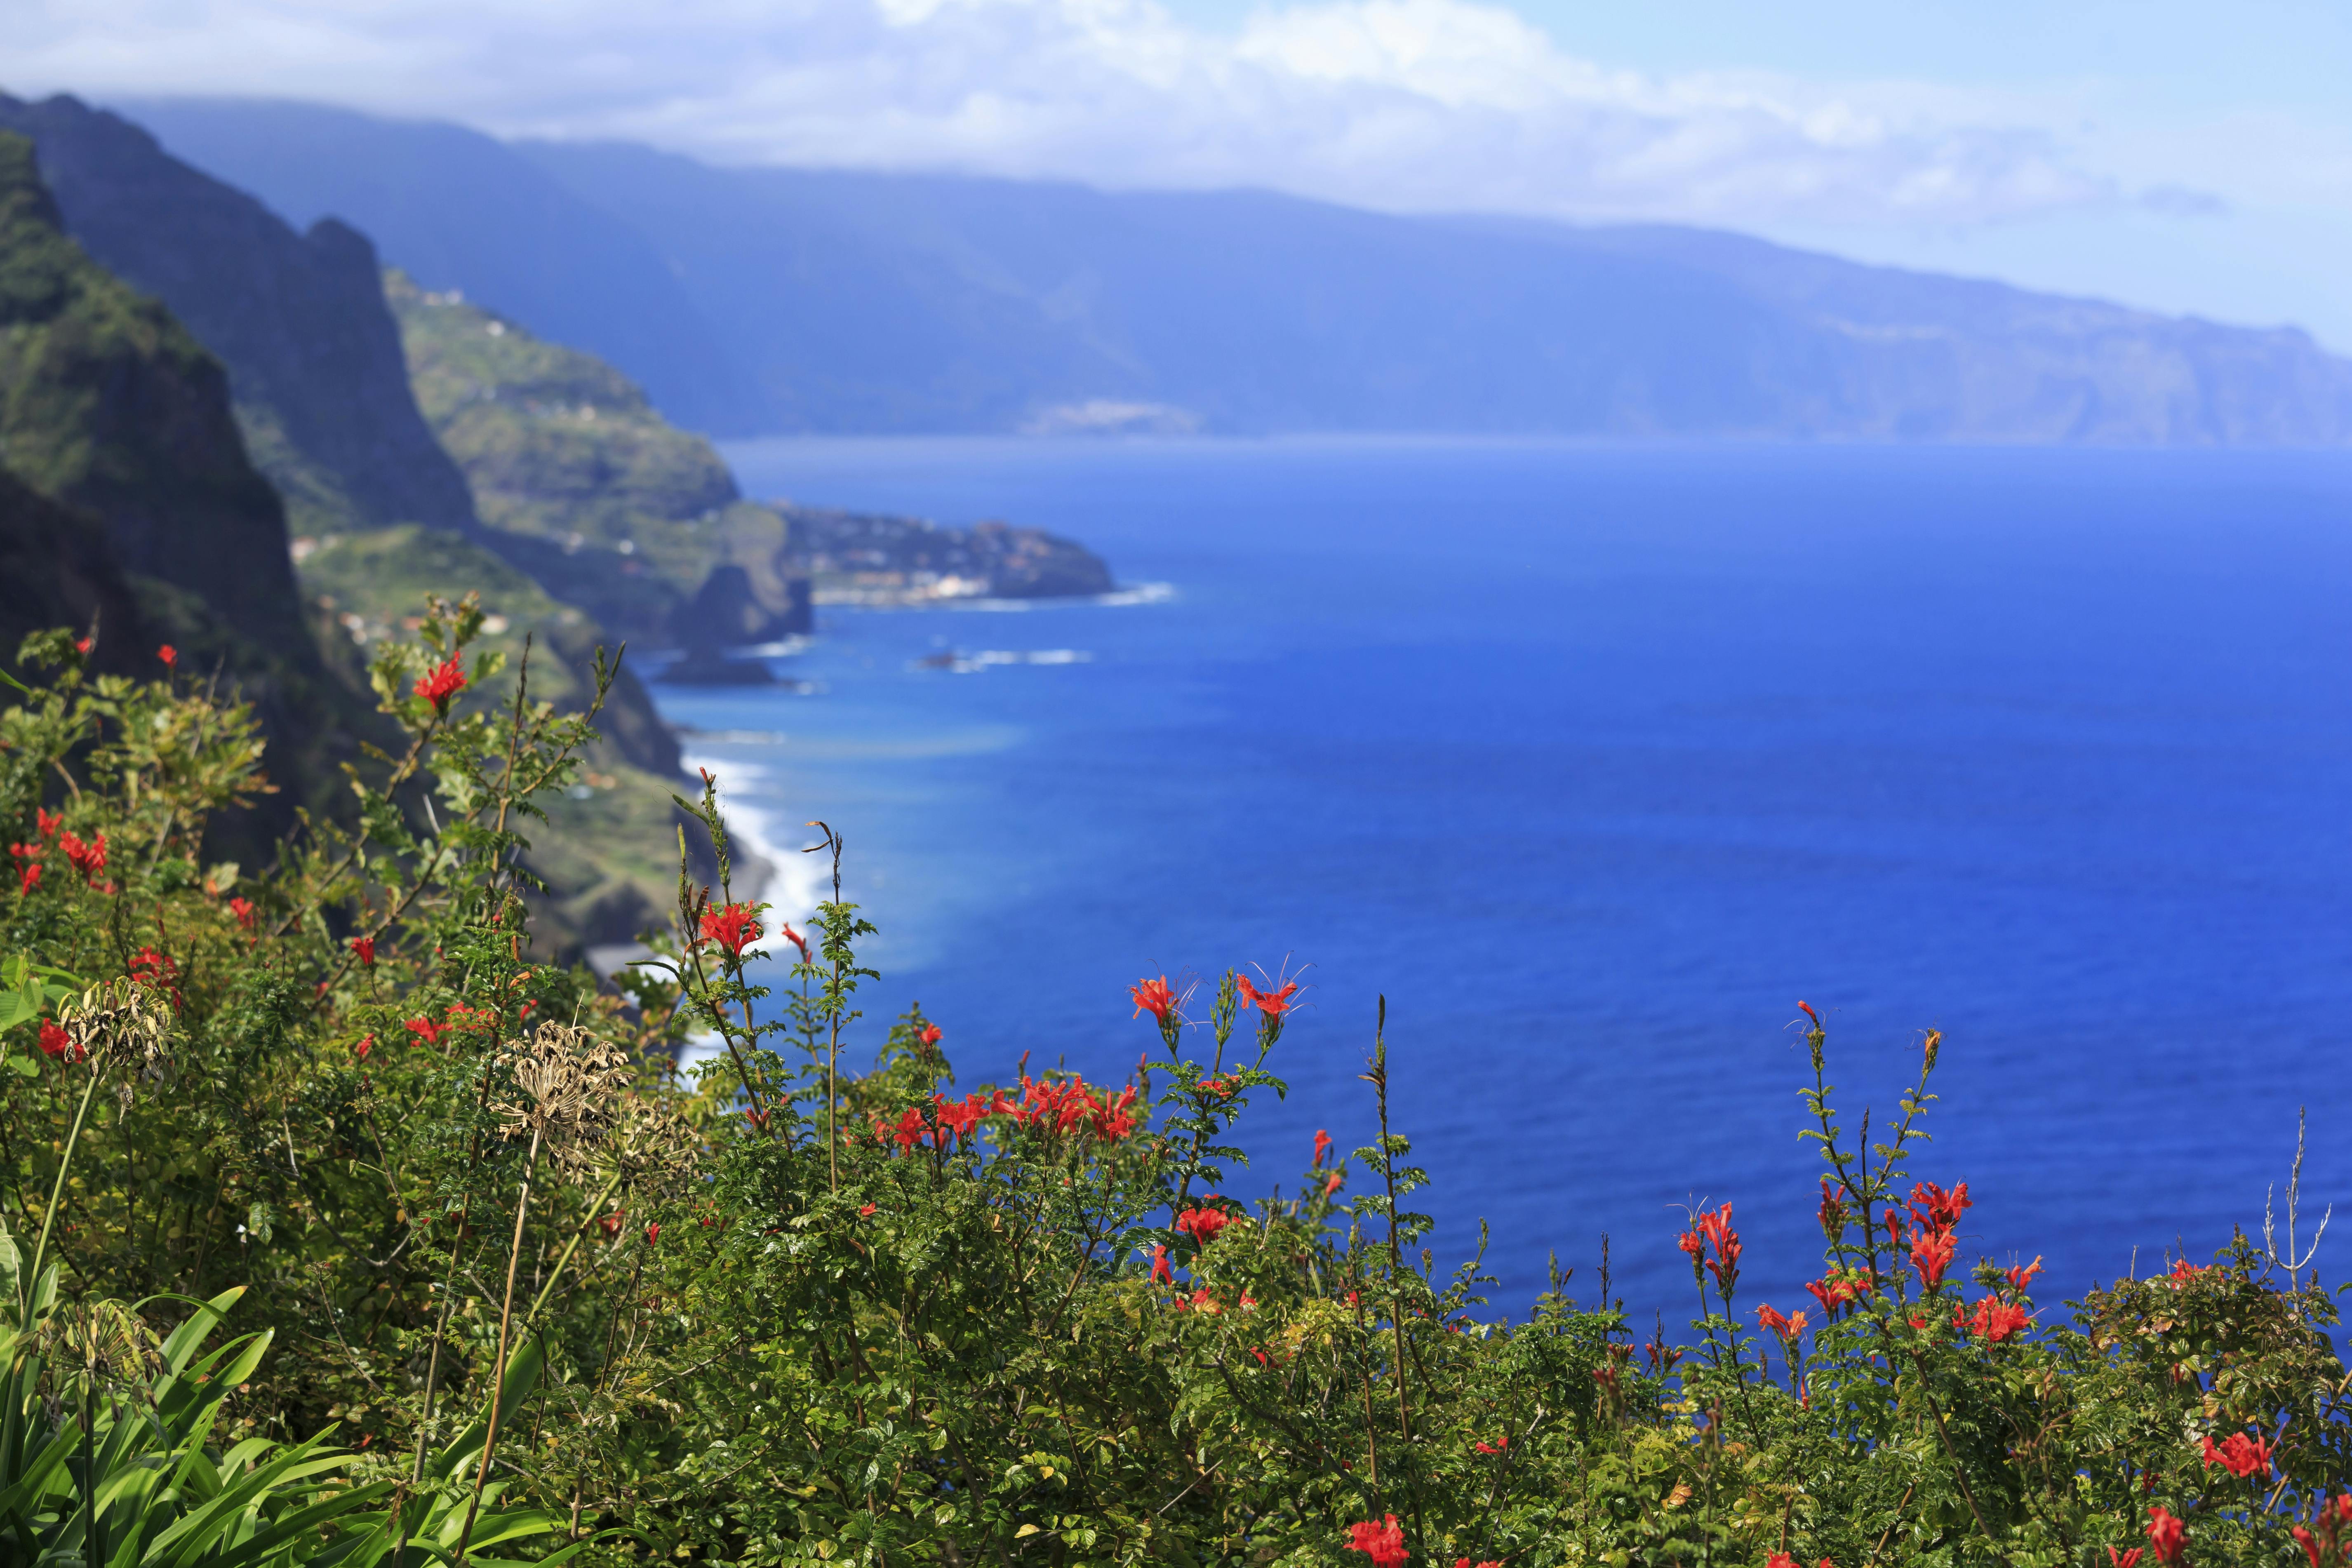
(1595, 762)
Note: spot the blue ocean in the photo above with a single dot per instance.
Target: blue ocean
(1595, 762)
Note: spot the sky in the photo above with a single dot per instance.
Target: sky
(2192, 158)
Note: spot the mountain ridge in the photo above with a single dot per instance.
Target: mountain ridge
(924, 303)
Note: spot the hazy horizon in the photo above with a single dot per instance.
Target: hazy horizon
(2143, 155)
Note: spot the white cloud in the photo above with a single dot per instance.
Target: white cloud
(1403, 104)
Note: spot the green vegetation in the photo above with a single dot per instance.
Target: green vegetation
(629, 513)
(606, 852)
(538, 1287)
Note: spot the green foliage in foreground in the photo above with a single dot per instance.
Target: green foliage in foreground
(790, 1313)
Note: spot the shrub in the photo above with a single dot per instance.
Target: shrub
(782, 1310)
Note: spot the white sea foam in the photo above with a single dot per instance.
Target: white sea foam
(795, 883)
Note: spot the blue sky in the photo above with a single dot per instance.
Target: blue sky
(2192, 158)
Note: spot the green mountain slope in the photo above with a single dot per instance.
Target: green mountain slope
(580, 482)
(608, 852)
(110, 411)
(314, 361)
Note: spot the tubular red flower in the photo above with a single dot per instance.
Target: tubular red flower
(797, 940)
(1938, 1209)
(1161, 1273)
(928, 1036)
(363, 949)
(48, 822)
(2240, 1454)
(243, 911)
(443, 683)
(734, 928)
(31, 879)
(1155, 997)
(1272, 1004)
(428, 1031)
(1202, 1223)
(88, 859)
(1807, 1009)
(2125, 1559)
(169, 655)
(2019, 1278)
(1382, 1541)
(1715, 1226)
(1994, 1320)
(1931, 1255)
(1322, 1146)
(367, 1044)
(1832, 1213)
(2167, 1536)
(1332, 1183)
(59, 1046)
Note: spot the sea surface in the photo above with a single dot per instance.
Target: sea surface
(1595, 762)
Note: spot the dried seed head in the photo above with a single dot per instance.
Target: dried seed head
(120, 1027)
(652, 1145)
(567, 1091)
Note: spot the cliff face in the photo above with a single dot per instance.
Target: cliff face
(109, 406)
(129, 497)
(313, 356)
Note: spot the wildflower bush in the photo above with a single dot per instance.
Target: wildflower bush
(511, 1286)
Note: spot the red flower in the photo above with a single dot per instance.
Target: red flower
(1931, 1254)
(428, 1031)
(865, 1211)
(83, 645)
(1384, 1541)
(243, 911)
(48, 821)
(1497, 1446)
(734, 928)
(1465, 1562)
(1717, 1227)
(1322, 1146)
(611, 1224)
(169, 655)
(2019, 1278)
(1778, 1324)
(928, 1036)
(2124, 1559)
(1807, 1009)
(31, 878)
(1332, 1183)
(2183, 1271)
(1995, 1320)
(156, 971)
(1691, 1242)
(1202, 1223)
(2240, 1454)
(363, 949)
(56, 1043)
(797, 940)
(367, 1044)
(1835, 1290)
(1832, 1213)
(1161, 1274)
(1272, 1004)
(652, 1234)
(1155, 997)
(2167, 1536)
(88, 859)
(2303, 1539)
(1936, 1209)
(446, 680)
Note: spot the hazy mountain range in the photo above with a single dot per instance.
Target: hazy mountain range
(754, 301)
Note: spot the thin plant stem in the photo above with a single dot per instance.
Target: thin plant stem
(499, 1372)
(57, 1194)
